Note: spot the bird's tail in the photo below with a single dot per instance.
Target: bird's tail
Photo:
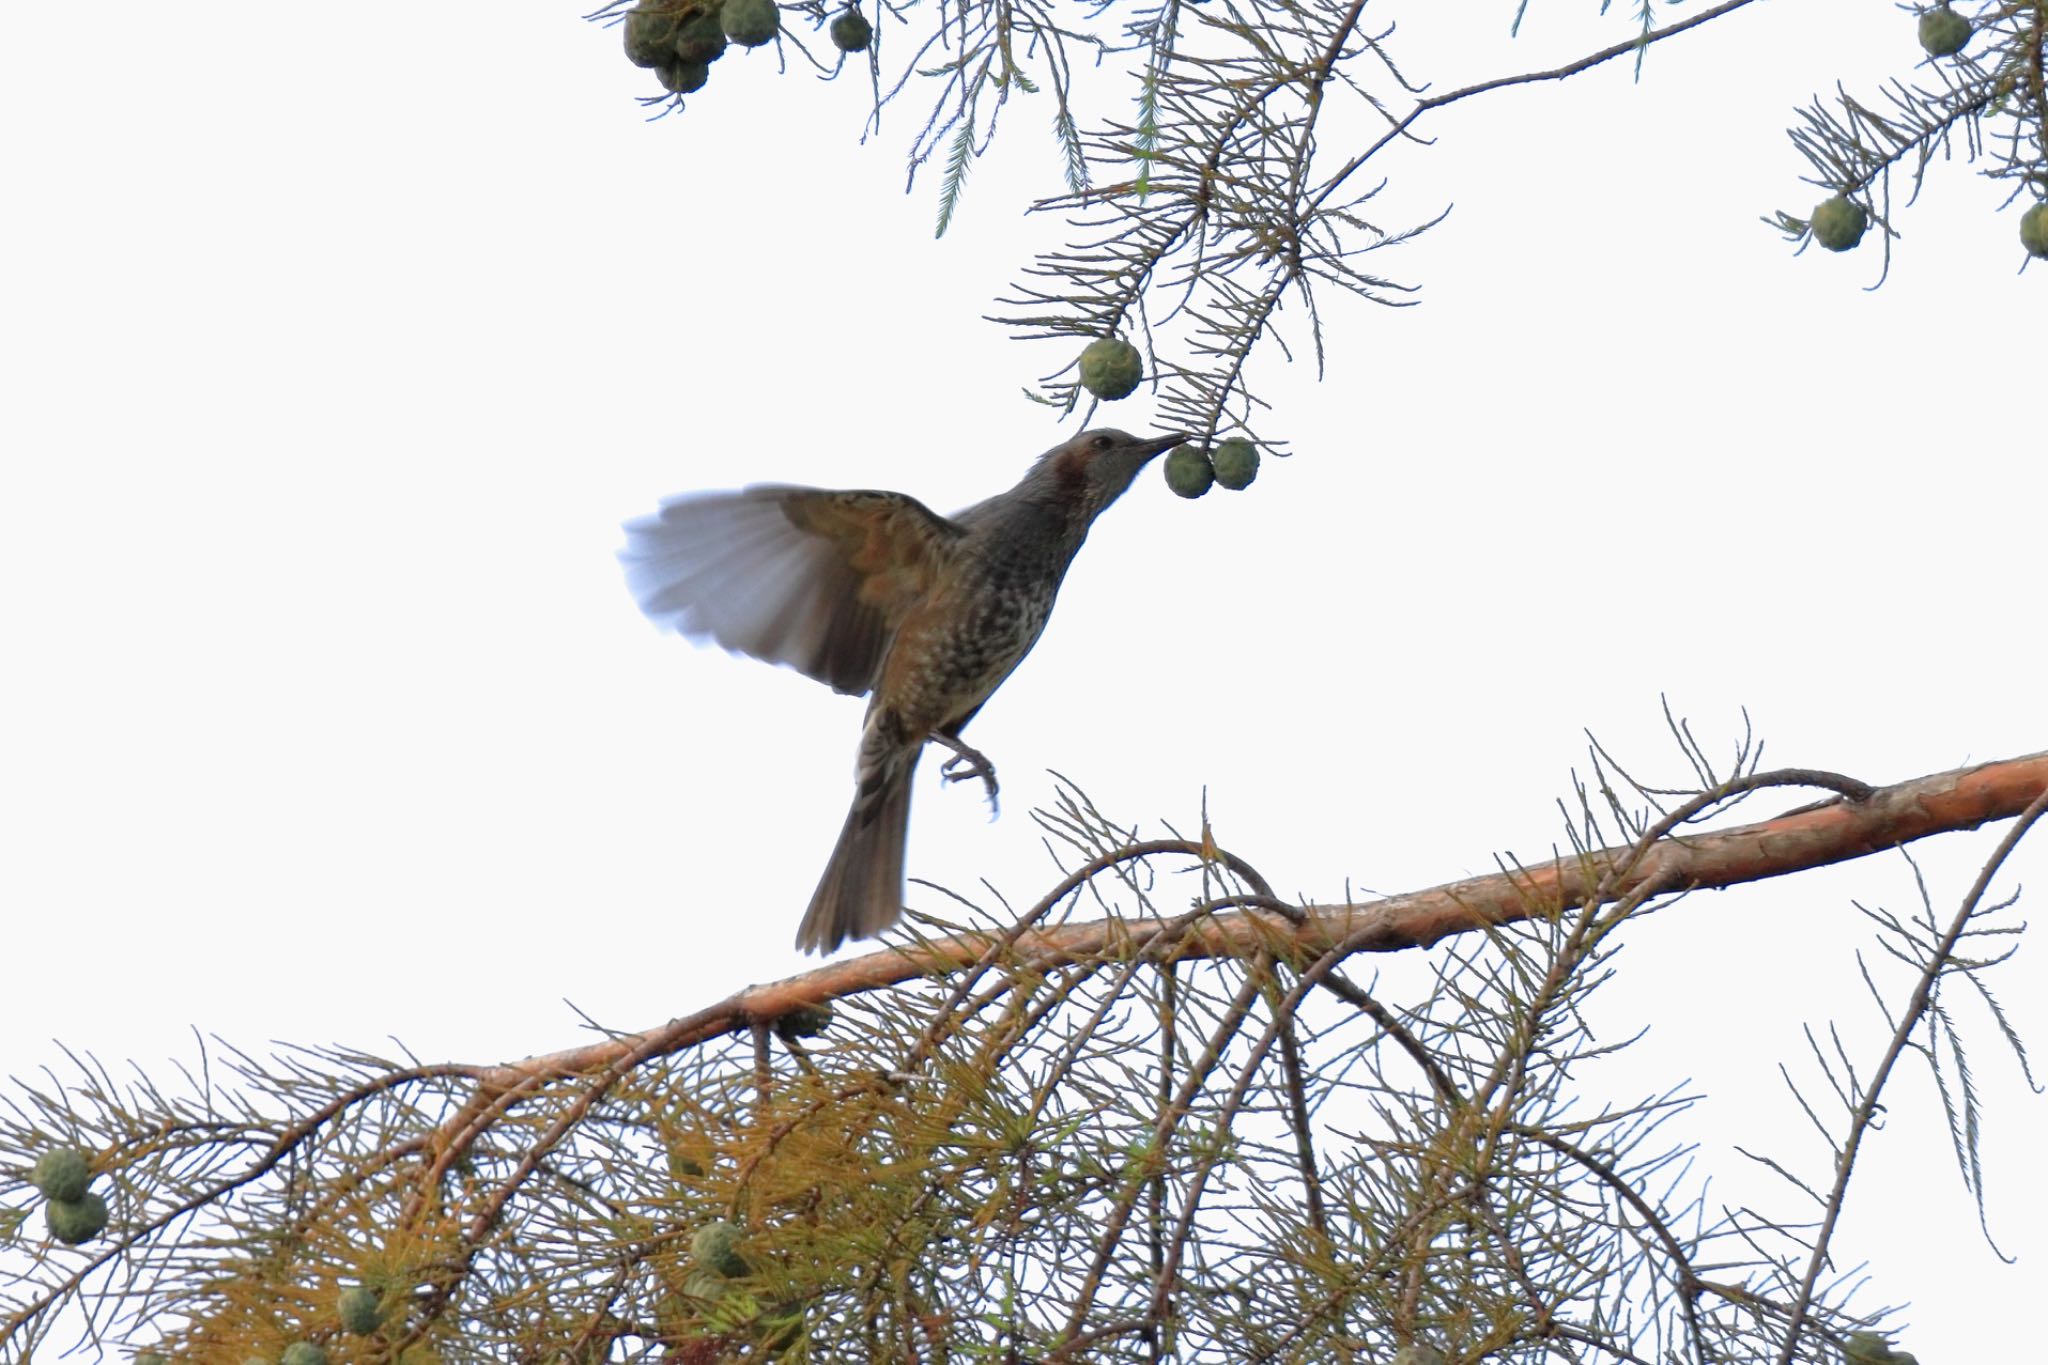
(861, 893)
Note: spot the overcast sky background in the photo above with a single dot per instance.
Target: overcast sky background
(337, 348)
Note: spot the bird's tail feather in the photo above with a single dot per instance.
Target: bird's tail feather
(861, 892)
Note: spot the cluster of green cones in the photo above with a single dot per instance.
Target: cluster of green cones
(679, 39)
(1111, 368)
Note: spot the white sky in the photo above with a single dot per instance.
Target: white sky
(336, 348)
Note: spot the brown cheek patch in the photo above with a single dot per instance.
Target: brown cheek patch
(1070, 472)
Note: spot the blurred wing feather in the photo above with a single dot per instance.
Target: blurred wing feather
(813, 579)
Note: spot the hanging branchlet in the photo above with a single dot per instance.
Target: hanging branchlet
(1985, 104)
(1206, 225)
(1213, 221)
(1209, 215)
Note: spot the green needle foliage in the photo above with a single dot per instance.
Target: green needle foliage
(1219, 159)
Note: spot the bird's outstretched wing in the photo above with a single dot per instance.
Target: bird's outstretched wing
(799, 576)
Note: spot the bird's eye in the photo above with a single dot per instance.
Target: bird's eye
(1103, 443)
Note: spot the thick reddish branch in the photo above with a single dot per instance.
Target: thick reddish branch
(1811, 836)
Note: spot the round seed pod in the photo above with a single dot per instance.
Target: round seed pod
(650, 35)
(1943, 32)
(716, 1246)
(1236, 463)
(706, 1285)
(62, 1173)
(73, 1221)
(683, 78)
(2034, 230)
(361, 1313)
(1111, 368)
(303, 1353)
(1188, 472)
(1839, 223)
(851, 32)
(750, 23)
(700, 38)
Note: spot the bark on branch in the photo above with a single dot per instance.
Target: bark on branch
(1811, 836)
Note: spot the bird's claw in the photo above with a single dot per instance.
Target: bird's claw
(965, 766)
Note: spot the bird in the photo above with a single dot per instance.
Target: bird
(872, 592)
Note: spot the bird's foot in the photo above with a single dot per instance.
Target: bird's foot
(965, 765)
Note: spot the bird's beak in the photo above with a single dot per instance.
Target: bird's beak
(1159, 445)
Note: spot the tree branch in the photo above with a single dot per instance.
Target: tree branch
(1811, 836)
(1861, 821)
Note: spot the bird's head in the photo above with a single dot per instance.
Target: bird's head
(1091, 471)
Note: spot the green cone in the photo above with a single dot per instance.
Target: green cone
(683, 78)
(1943, 32)
(700, 38)
(361, 1313)
(716, 1245)
(1236, 462)
(1111, 368)
(73, 1221)
(1839, 223)
(62, 1173)
(650, 36)
(1188, 472)
(750, 23)
(2034, 230)
(851, 32)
